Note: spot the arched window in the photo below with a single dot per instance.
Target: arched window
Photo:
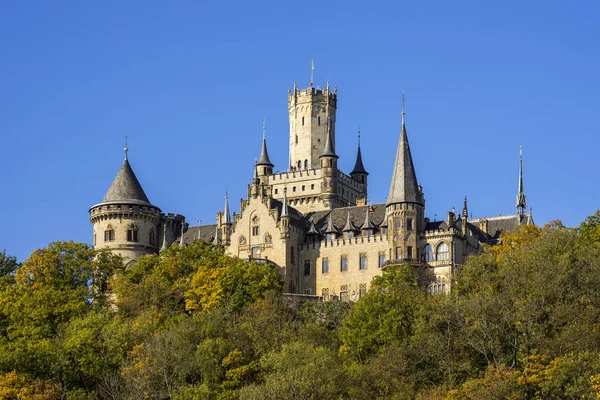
(299, 164)
(428, 253)
(132, 233)
(296, 139)
(152, 238)
(442, 252)
(302, 121)
(305, 164)
(109, 234)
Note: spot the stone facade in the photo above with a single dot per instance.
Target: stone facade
(312, 222)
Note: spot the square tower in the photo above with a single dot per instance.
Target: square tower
(310, 110)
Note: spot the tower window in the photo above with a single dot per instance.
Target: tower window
(318, 120)
(152, 237)
(305, 164)
(303, 187)
(299, 164)
(293, 188)
(409, 224)
(302, 121)
(306, 267)
(312, 187)
(296, 139)
(409, 252)
(109, 234)
(132, 234)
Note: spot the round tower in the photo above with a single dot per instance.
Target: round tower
(309, 110)
(328, 164)
(405, 206)
(125, 221)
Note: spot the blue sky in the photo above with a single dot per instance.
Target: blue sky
(190, 83)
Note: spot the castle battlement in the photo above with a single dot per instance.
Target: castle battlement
(311, 94)
(357, 241)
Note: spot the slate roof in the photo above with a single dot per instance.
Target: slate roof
(329, 150)
(126, 188)
(339, 216)
(359, 168)
(264, 155)
(404, 187)
(207, 234)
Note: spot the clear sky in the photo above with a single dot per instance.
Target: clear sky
(189, 83)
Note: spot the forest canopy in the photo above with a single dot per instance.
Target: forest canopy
(522, 322)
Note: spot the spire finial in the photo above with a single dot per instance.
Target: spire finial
(227, 215)
(403, 100)
(264, 128)
(521, 199)
(126, 149)
(312, 72)
(359, 136)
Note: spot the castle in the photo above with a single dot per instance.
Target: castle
(312, 222)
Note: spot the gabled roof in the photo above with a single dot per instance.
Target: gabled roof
(404, 187)
(126, 188)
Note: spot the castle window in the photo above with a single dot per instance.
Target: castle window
(299, 165)
(256, 252)
(362, 290)
(409, 224)
(276, 191)
(362, 261)
(381, 258)
(330, 236)
(132, 235)
(305, 164)
(318, 120)
(428, 253)
(296, 139)
(344, 263)
(312, 187)
(409, 254)
(325, 265)
(442, 252)
(306, 267)
(399, 224)
(325, 294)
(109, 234)
(366, 233)
(398, 253)
(255, 231)
(344, 293)
(294, 189)
(152, 238)
(303, 188)
(348, 235)
(302, 121)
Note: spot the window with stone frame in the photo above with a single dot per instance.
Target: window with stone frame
(325, 294)
(255, 230)
(109, 234)
(398, 253)
(429, 253)
(348, 235)
(362, 291)
(344, 295)
(344, 263)
(409, 224)
(132, 233)
(362, 261)
(409, 252)
(324, 265)
(442, 253)
(152, 237)
(366, 233)
(306, 267)
(381, 259)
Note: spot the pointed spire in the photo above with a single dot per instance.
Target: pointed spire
(126, 188)
(465, 212)
(181, 241)
(349, 224)
(312, 229)
(404, 187)
(330, 228)
(264, 154)
(284, 207)
(329, 150)
(359, 168)
(226, 213)
(216, 238)
(312, 72)
(164, 244)
(384, 223)
(521, 200)
(367, 224)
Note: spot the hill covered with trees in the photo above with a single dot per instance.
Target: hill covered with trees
(522, 322)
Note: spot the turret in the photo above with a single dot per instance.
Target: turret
(329, 171)
(465, 217)
(264, 164)
(405, 205)
(226, 225)
(359, 173)
(125, 221)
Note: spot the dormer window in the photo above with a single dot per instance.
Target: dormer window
(330, 236)
(366, 233)
(348, 235)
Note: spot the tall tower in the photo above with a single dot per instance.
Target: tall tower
(125, 221)
(405, 206)
(309, 110)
